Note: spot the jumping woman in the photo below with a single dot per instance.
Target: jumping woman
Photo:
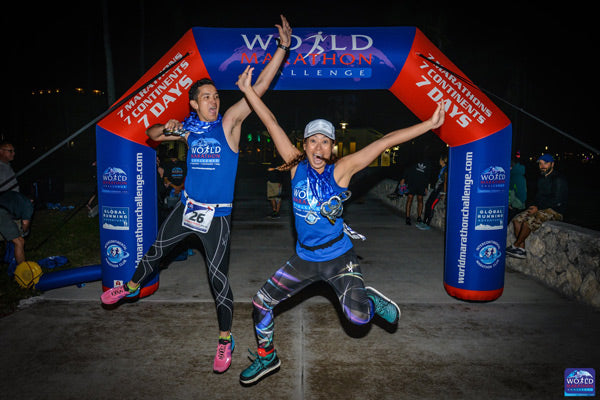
(324, 250)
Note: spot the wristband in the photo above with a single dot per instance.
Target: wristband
(285, 48)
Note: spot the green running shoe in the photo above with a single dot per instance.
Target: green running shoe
(262, 365)
(384, 307)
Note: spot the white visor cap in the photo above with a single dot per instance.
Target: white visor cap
(321, 126)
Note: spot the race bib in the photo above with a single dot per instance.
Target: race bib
(197, 216)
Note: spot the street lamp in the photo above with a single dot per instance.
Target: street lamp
(343, 125)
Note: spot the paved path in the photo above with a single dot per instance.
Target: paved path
(65, 345)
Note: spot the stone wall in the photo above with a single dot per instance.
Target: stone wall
(562, 256)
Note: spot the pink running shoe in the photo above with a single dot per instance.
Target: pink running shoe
(223, 356)
(115, 294)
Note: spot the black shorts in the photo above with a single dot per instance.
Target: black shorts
(8, 227)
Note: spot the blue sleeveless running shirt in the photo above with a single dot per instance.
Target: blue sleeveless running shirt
(211, 169)
(306, 205)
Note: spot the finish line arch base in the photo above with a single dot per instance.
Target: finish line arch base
(473, 295)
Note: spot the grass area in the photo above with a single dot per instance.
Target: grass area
(69, 233)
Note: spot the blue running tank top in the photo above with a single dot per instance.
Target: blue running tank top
(307, 208)
(211, 169)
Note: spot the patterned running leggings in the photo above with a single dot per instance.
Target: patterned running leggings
(342, 273)
(216, 246)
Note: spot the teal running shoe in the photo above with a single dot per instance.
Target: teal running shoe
(384, 307)
(262, 365)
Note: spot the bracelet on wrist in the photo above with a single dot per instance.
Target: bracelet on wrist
(285, 48)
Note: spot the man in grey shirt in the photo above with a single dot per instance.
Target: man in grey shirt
(16, 211)
(8, 181)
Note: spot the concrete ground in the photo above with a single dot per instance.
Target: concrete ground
(65, 345)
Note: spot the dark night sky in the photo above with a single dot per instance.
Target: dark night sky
(537, 59)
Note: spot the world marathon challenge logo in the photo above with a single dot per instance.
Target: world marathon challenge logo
(492, 179)
(114, 180)
(318, 55)
(205, 153)
(344, 56)
(580, 382)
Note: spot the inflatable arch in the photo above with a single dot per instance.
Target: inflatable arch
(399, 59)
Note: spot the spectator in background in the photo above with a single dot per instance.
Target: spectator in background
(416, 179)
(93, 209)
(16, 211)
(8, 181)
(274, 188)
(399, 191)
(517, 191)
(549, 205)
(162, 192)
(438, 193)
(174, 176)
